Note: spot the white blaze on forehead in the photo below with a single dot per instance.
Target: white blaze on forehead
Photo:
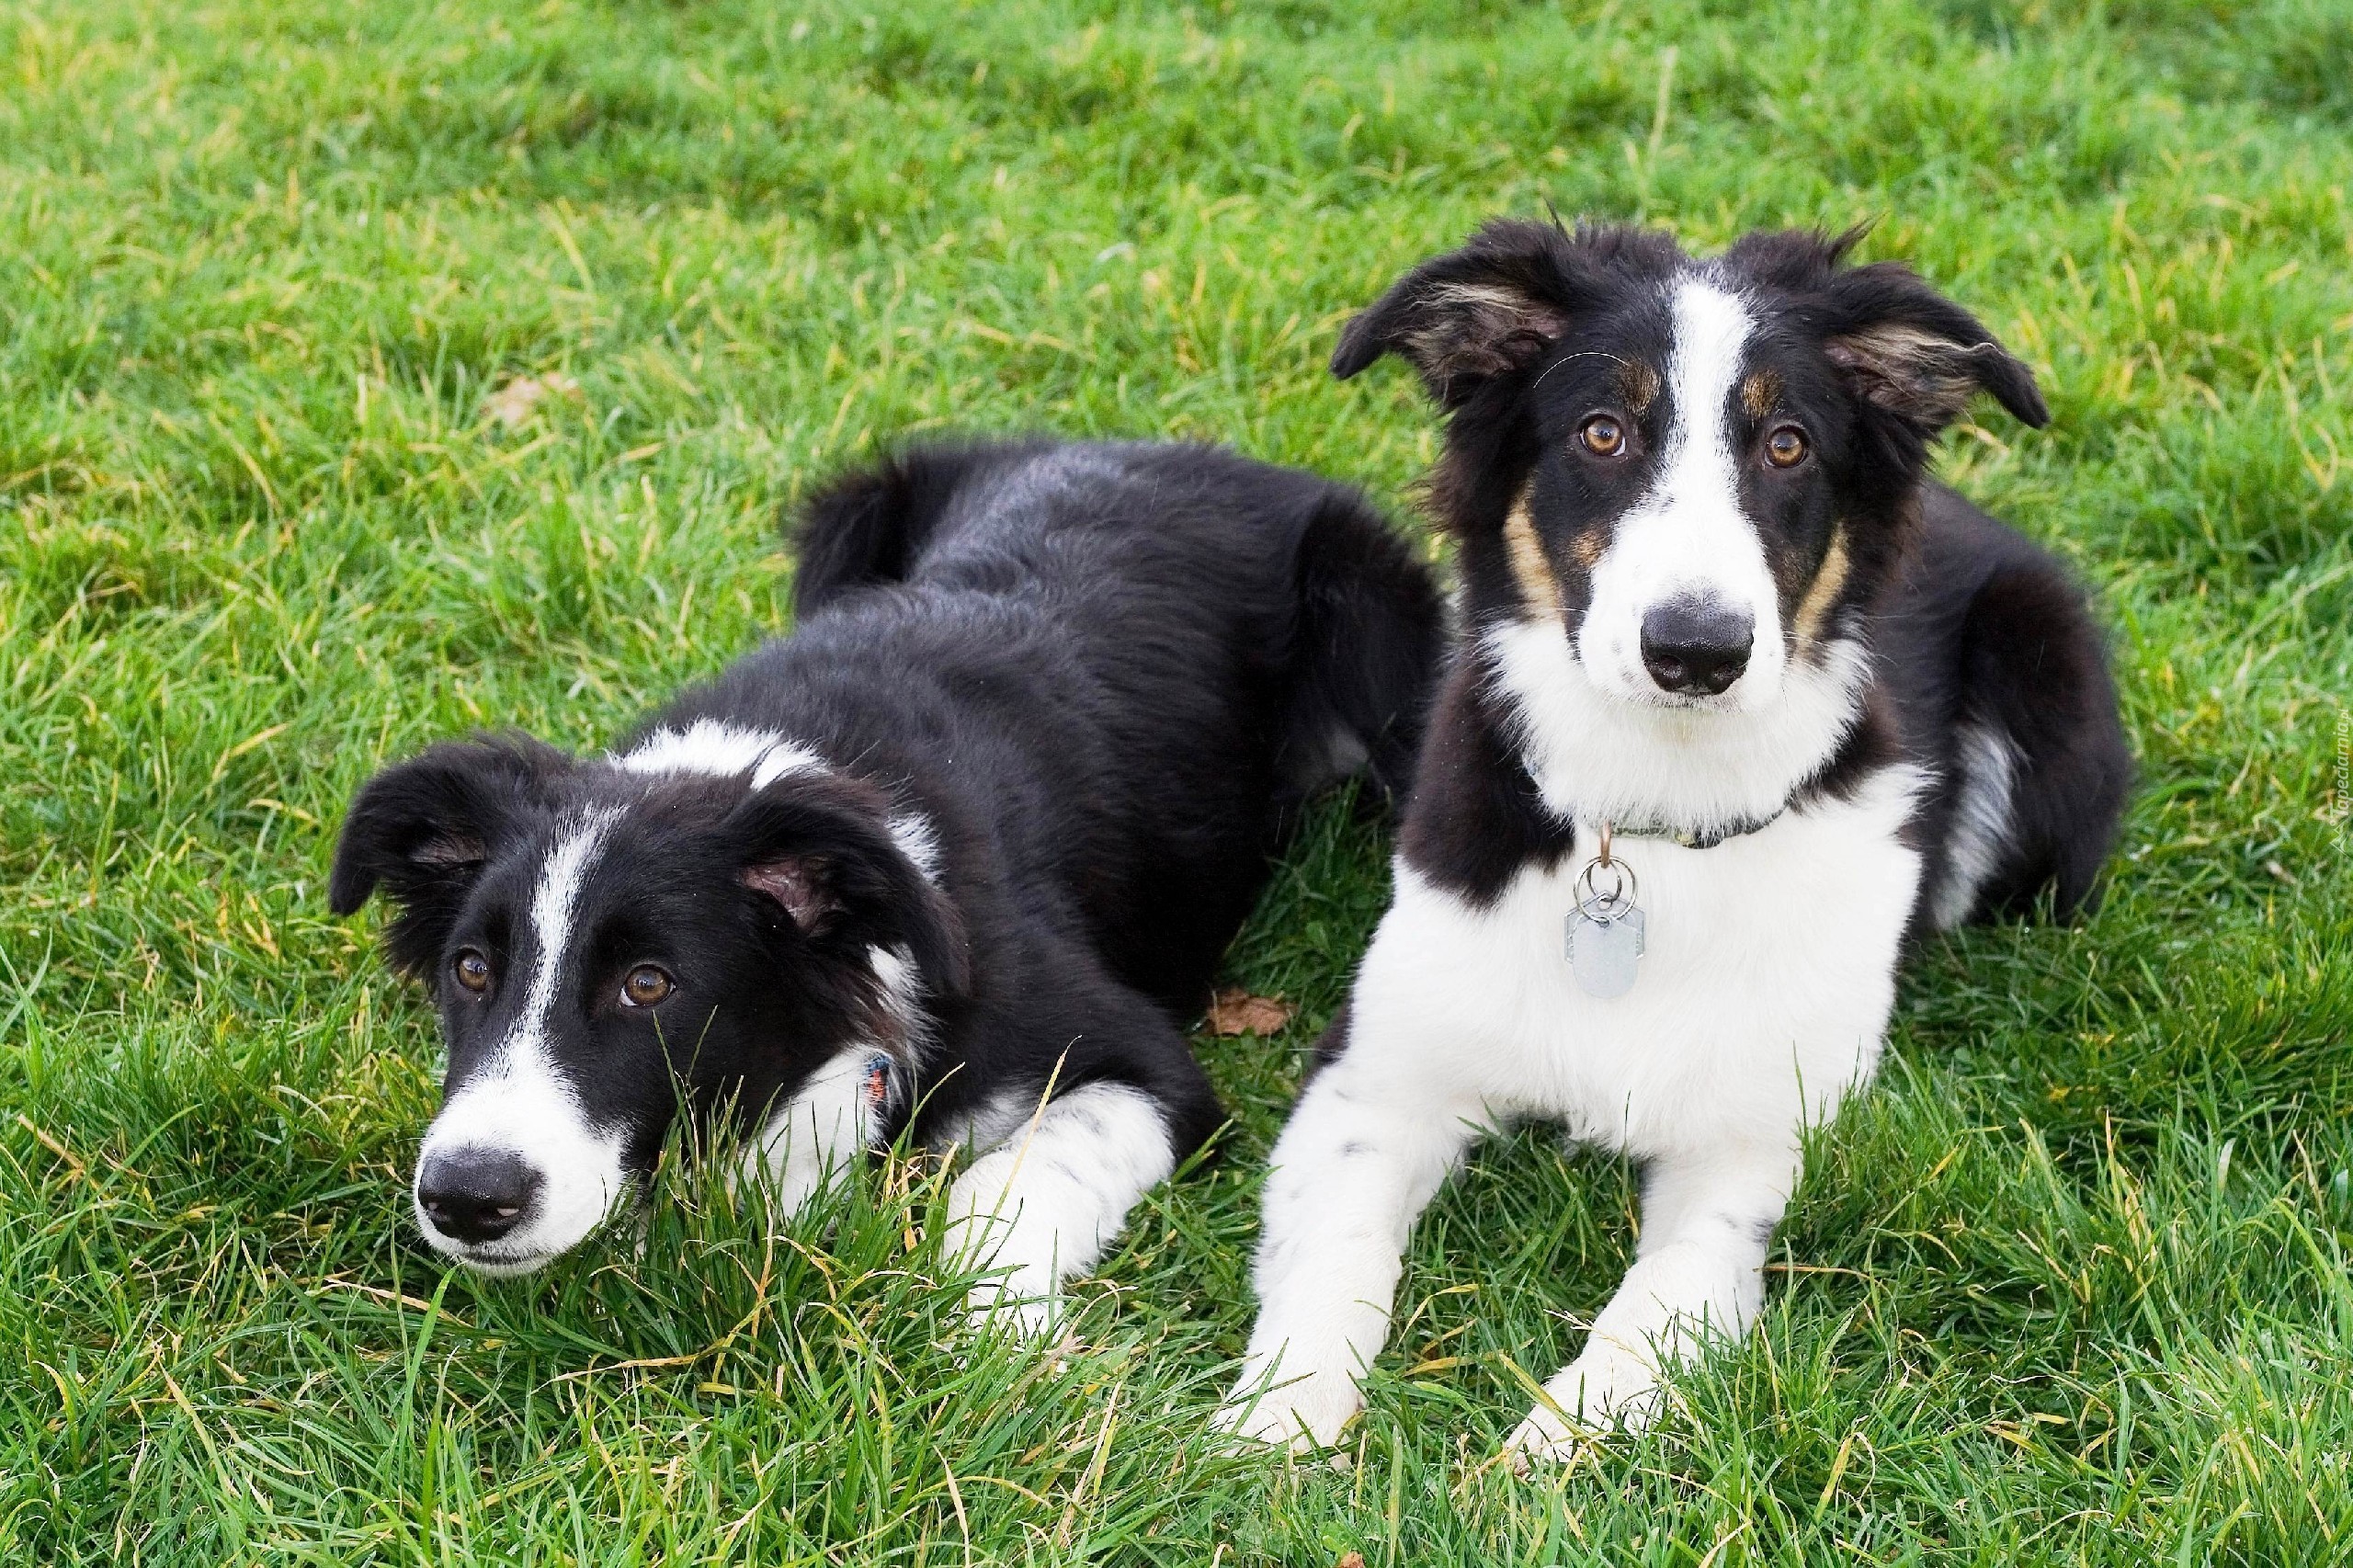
(1712, 330)
(720, 750)
(519, 1101)
(1689, 538)
(553, 903)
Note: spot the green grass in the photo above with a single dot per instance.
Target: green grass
(2071, 1286)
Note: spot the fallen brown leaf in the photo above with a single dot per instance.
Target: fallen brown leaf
(513, 404)
(1234, 1011)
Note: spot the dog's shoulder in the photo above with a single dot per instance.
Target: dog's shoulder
(1476, 819)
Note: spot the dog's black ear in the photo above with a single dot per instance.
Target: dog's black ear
(822, 854)
(1913, 353)
(1486, 309)
(423, 829)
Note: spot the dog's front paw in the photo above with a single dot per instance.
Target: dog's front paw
(1606, 1388)
(1302, 1413)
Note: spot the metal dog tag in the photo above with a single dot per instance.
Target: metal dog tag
(1605, 953)
(1605, 930)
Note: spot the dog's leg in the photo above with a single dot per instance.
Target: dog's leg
(1041, 1205)
(1359, 1160)
(1698, 1277)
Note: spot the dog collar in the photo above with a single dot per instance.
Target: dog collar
(1608, 929)
(876, 1094)
(1695, 838)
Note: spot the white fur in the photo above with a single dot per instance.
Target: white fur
(818, 1135)
(894, 971)
(1039, 1207)
(1762, 998)
(1689, 538)
(1981, 820)
(1598, 756)
(912, 832)
(519, 1102)
(722, 750)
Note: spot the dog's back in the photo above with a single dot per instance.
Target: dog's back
(1185, 643)
(2002, 689)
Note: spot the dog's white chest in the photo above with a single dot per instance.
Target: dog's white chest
(1762, 989)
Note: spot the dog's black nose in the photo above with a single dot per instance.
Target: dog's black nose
(1697, 646)
(476, 1194)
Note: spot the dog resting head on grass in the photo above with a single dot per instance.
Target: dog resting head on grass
(554, 905)
(955, 861)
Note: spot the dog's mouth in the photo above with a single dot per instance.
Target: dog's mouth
(499, 1258)
(1693, 703)
(501, 1263)
(517, 1248)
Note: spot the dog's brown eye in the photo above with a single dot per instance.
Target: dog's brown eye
(1785, 448)
(472, 971)
(645, 985)
(1602, 436)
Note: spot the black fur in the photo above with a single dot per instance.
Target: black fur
(1101, 675)
(1982, 628)
(1476, 819)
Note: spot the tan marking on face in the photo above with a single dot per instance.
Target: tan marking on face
(1828, 578)
(1529, 567)
(1638, 385)
(1587, 548)
(1760, 394)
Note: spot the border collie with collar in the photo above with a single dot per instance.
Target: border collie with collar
(954, 861)
(1744, 702)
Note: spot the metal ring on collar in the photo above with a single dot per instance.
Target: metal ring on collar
(1593, 904)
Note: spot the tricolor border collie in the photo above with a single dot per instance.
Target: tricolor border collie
(953, 861)
(1743, 701)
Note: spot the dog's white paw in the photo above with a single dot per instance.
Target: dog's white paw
(1606, 1389)
(1302, 1413)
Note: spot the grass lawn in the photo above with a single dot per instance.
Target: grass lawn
(2071, 1286)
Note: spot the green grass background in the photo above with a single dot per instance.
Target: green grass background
(2070, 1287)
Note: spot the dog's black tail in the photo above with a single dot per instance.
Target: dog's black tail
(863, 527)
(1369, 641)
(871, 525)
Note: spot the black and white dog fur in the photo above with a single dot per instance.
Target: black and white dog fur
(1712, 602)
(954, 861)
